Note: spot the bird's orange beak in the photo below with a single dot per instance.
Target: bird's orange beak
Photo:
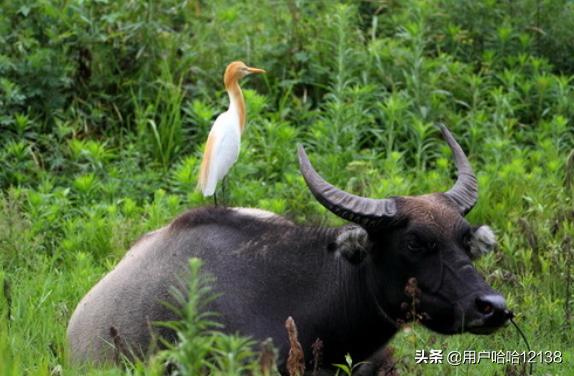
(255, 70)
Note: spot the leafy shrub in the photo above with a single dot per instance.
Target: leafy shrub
(201, 349)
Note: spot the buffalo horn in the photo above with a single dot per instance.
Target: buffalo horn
(366, 212)
(464, 193)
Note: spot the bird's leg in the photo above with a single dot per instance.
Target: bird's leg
(215, 198)
(223, 184)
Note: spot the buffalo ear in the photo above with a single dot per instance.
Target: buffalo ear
(352, 243)
(482, 241)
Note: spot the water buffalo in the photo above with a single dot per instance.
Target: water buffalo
(343, 285)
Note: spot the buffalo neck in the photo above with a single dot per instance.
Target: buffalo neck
(353, 312)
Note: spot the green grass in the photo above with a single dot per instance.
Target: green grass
(105, 106)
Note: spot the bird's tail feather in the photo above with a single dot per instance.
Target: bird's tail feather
(207, 179)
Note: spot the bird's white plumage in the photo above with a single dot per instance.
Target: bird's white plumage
(224, 140)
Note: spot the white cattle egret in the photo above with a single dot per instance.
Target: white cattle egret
(222, 147)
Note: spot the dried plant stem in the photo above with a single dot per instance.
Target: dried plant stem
(119, 346)
(267, 358)
(317, 347)
(296, 359)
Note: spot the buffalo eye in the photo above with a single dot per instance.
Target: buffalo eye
(413, 246)
(416, 246)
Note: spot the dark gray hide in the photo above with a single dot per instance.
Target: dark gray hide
(344, 286)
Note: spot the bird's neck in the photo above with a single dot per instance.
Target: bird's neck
(236, 102)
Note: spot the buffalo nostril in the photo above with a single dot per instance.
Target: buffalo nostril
(490, 304)
(483, 307)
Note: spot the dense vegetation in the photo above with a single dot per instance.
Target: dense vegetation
(105, 105)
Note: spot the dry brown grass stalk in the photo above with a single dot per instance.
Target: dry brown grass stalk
(119, 346)
(267, 358)
(296, 359)
(317, 348)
